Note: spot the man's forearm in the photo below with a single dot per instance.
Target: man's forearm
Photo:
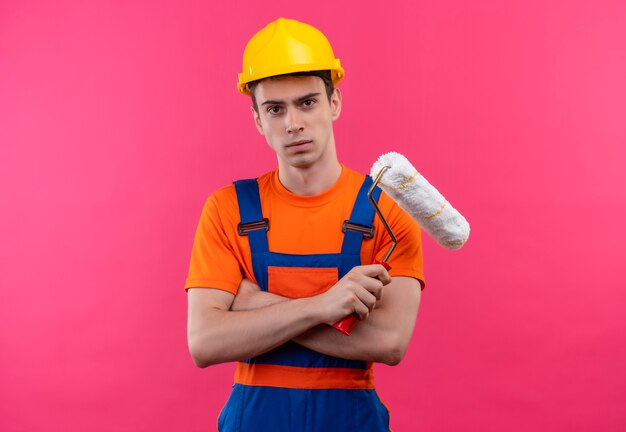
(382, 337)
(220, 331)
(371, 340)
(250, 297)
(256, 331)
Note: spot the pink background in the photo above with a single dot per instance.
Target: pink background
(118, 118)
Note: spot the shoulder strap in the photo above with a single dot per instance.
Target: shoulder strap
(252, 222)
(361, 220)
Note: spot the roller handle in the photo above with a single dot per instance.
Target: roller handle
(348, 324)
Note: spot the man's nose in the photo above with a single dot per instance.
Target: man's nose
(294, 122)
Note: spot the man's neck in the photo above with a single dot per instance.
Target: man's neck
(313, 180)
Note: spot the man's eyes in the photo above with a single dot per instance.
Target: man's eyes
(277, 109)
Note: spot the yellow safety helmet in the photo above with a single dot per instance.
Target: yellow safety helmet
(286, 46)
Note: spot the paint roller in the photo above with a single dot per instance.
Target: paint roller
(422, 201)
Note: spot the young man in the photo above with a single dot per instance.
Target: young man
(279, 259)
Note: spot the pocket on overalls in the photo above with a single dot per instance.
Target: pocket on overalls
(370, 413)
(229, 419)
(298, 282)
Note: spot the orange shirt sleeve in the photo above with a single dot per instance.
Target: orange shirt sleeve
(407, 258)
(214, 263)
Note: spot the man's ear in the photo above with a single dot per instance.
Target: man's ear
(257, 120)
(335, 104)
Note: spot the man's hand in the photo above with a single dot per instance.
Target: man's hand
(385, 334)
(357, 292)
(217, 334)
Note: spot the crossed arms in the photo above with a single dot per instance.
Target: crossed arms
(222, 327)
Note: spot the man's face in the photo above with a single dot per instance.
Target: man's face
(296, 117)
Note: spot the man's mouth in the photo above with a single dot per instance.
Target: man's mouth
(298, 143)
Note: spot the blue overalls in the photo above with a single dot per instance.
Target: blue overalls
(259, 402)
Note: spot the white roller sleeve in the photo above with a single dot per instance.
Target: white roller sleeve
(421, 201)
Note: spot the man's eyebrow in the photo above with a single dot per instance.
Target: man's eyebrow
(307, 96)
(300, 99)
(272, 102)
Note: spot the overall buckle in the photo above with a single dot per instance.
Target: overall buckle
(367, 231)
(244, 229)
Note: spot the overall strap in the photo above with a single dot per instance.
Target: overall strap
(252, 223)
(361, 220)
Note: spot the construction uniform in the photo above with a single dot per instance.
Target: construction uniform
(297, 246)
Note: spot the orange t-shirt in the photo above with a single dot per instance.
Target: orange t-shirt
(299, 225)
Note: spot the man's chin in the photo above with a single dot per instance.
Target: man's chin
(302, 161)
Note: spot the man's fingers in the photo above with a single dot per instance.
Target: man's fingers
(376, 271)
(373, 286)
(367, 298)
(361, 310)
